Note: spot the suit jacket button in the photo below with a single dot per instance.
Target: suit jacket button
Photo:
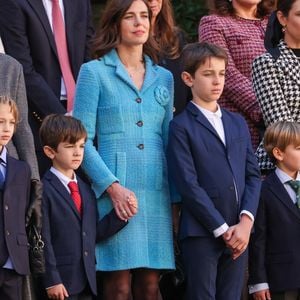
(140, 123)
(138, 100)
(7, 232)
(84, 233)
(231, 187)
(86, 253)
(6, 207)
(141, 146)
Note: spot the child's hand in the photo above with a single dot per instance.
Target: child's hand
(262, 295)
(237, 236)
(58, 292)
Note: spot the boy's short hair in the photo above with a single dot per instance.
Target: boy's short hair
(58, 128)
(196, 54)
(12, 104)
(281, 134)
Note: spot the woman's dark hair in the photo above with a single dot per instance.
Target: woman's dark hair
(108, 34)
(225, 8)
(274, 29)
(165, 31)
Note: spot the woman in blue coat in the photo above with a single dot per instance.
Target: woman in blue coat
(125, 101)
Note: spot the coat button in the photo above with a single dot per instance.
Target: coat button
(7, 232)
(86, 253)
(141, 146)
(84, 233)
(231, 187)
(140, 123)
(138, 100)
(6, 207)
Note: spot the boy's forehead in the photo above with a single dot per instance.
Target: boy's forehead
(213, 61)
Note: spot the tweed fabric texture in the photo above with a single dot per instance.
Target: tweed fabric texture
(277, 87)
(131, 128)
(243, 40)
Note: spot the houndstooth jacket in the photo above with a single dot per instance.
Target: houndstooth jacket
(276, 83)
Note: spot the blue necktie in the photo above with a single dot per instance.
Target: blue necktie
(295, 185)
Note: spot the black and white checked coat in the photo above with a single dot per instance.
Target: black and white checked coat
(276, 82)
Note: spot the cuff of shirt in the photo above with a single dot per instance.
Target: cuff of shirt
(220, 230)
(248, 213)
(258, 287)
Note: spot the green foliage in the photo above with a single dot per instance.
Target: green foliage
(188, 14)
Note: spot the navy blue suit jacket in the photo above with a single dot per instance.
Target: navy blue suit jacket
(70, 239)
(275, 245)
(27, 36)
(15, 202)
(205, 171)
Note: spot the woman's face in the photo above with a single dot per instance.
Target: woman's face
(135, 24)
(155, 6)
(291, 25)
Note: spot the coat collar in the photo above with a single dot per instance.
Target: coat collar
(199, 117)
(278, 190)
(59, 187)
(288, 62)
(112, 59)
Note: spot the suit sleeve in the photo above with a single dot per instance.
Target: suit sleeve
(51, 276)
(41, 98)
(23, 138)
(183, 171)
(250, 197)
(257, 247)
(238, 87)
(108, 226)
(268, 90)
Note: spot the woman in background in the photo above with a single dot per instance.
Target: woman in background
(276, 74)
(239, 27)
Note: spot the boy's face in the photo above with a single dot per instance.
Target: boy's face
(289, 159)
(207, 83)
(7, 124)
(68, 157)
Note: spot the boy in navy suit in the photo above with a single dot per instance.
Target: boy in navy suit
(70, 219)
(274, 260)
(14, 200)
(211, 161)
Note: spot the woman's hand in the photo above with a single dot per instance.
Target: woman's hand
(124, 201)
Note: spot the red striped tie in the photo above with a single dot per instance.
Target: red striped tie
(62, 51)
(73, 186)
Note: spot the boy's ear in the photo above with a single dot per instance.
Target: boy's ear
(277, 153)
(49, 152)
(187, 78)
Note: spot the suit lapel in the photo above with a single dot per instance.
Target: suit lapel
(200, 118)
(38, 7)
(11, 170)
(227, 128)
(60, 188)
(277, 188)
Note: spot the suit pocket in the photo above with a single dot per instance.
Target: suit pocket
(110, 120)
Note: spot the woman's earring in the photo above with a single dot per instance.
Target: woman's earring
(283, 29)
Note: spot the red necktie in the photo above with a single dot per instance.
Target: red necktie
(62, 51)
(73, 186)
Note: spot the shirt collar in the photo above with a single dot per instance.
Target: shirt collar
(283, 177)
(63, 178)
(207, 112)
(3, 155)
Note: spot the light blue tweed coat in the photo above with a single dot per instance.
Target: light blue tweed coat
(131, 128)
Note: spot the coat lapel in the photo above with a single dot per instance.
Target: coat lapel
(11, 170)
(112, 59)
(200, 118)
(59, 187)
(277, 188)
(38, 7)
(289, 63)
(227, 128)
